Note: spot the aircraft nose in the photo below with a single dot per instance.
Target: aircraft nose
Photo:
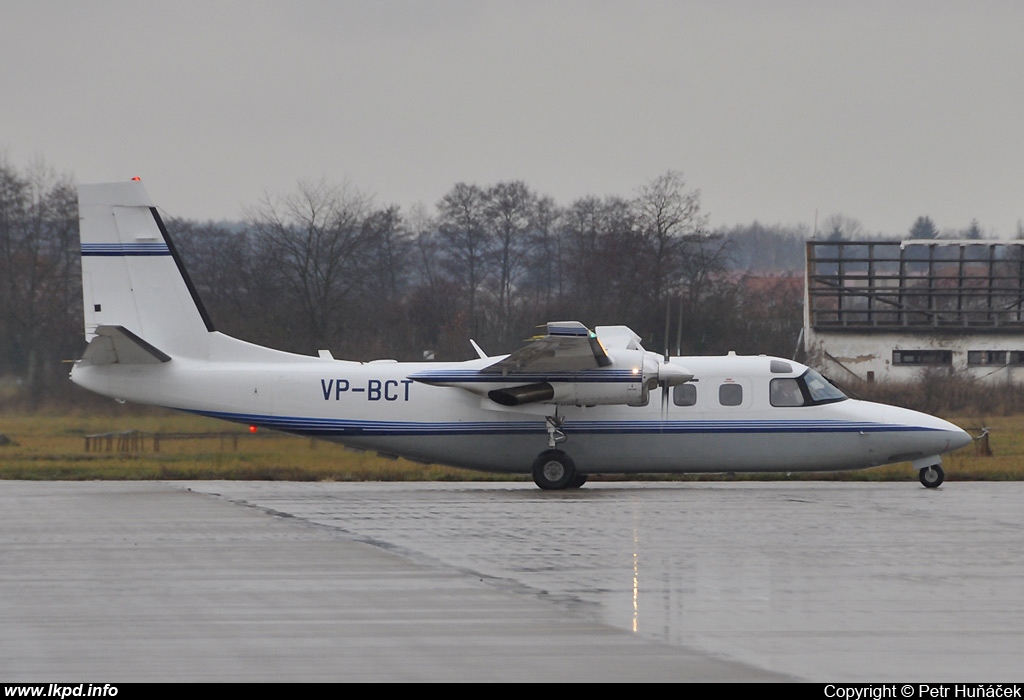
(953, 436)
(960, 438)
(938, 436)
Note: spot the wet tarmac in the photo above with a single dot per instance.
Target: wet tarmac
(741, 581)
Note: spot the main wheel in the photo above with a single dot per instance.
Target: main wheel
(553, 470)
(932, 477)
(578, 481)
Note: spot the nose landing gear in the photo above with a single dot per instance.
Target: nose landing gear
(932, 477)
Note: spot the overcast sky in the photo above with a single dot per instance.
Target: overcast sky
(882, 111)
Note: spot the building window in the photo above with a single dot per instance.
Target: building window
(922, 357)
(684, 394)
(1016, 357)
(730, 394)
(986, 357)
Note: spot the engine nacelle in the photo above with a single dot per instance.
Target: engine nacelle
(632, 374)
(627, 378)
(587, 393)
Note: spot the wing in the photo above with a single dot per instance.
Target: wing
(568, 346)
(568, 365)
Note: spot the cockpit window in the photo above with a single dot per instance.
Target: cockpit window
(809, 389)
(819, 388)
(786, 392)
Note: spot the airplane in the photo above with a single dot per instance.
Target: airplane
(572, 402)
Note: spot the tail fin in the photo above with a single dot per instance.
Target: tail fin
(132, 276)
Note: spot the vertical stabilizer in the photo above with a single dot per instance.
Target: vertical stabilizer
(132, 275)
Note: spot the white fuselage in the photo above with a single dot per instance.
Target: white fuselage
(377, 406)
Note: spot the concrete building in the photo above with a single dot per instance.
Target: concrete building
(887, 310)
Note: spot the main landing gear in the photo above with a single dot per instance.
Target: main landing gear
(554, 470)
(932, 477)
(555, 434)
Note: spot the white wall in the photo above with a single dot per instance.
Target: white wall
(842, 355)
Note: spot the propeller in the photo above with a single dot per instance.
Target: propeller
(669, 374)
(663, 380)
(663, 376)
(665, 373)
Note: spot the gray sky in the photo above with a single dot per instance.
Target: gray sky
(882, 111)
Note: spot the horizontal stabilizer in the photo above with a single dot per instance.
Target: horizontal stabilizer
(116, 345)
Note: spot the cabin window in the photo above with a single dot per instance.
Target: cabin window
(986, 357)
(684, 394)
(922, 357)
(730, 394)
(785, 392)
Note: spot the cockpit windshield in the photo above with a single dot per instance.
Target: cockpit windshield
(820, 389)
(809, 389)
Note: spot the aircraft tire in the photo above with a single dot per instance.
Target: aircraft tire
(578, 481)
(932, 477)
(554, 470)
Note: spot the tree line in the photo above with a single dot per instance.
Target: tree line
(325, 267)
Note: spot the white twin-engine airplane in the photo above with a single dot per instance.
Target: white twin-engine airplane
(570, 403)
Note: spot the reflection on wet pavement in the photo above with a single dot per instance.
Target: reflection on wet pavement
(813, 578)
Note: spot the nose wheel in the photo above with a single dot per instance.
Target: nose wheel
(932, 477)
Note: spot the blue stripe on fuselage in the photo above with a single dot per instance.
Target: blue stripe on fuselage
(326, 427)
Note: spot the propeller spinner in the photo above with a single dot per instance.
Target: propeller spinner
(661, 371)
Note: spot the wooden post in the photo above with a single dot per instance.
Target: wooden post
(981, 444)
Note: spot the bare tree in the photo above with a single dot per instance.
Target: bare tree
(667, 216)
(40, 279)
(547, 258)
(316, 240)
(706, 294)
(839, 227)
(468, 245)
(600, 260)
(510, 210)
(381, 310)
